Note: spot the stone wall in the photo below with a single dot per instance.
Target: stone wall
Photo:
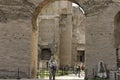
(16, 29)
(49, 35)
(78, 35)
(15, 38)
(62, 32)
(15, 47)
(100, 39)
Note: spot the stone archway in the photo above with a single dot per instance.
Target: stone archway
(89, 8)
(117, 37)
(21, 11)
(117, 30)
(41, 5)
(33, 67)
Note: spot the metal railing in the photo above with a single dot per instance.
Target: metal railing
(45, 73)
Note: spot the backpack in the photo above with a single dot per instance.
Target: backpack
(53, 65)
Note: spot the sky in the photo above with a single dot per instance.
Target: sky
(75, 5)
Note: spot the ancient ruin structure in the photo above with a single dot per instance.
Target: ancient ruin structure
(60, 24)
(20, 34)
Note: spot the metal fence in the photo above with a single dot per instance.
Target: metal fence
(45, 73)
(14, 74)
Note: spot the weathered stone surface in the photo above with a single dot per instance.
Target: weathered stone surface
(100, 39)
(18, 46)
(116, 0)
(78, 37)
(15, 9)
(15, 47)
(95, 7)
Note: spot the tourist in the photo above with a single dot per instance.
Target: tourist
(52, 68)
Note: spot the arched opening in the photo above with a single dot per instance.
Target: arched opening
(117, 37)
(39, 19)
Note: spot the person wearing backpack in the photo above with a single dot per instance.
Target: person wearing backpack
(52, 67)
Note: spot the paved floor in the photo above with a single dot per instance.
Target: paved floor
(69, 77)
(66, 77)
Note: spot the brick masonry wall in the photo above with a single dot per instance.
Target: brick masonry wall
(16, 27)
(15, 44)
(100, 39)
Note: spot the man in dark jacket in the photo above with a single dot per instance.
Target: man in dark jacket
(52, 68)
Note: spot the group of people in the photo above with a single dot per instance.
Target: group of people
(52, 65)
(78, 69)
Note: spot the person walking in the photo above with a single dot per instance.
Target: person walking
(52, 64)
(78, 70)
(75, 69)
(82, 69)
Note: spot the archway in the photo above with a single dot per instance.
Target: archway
(41, 6)
(35, 31)
(117, 37)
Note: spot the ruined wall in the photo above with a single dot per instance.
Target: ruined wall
(78, 35)
(100, 39)
(15, 38)
(92, 9)
(49, 35)
(18, 14)
(15, 48)
(60, 30)
(15, 21)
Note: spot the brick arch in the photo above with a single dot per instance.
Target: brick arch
(88, 6)
(91, 8)
(40, 7)
(117, 30)
(34, 53)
